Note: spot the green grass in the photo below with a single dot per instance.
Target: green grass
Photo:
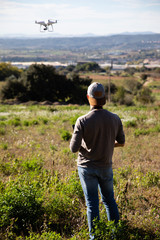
(40, 192)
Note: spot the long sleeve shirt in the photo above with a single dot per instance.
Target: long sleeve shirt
(94, 137)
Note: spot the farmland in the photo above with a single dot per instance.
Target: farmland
(41, 197)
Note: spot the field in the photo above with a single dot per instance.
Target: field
(41, 196)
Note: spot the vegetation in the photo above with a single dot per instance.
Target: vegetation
(7, 70)
(40, 192)
(68, 85)
(40, 83)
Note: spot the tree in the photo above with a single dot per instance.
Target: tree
(13, 89)
(41, 82)
(87, 67)
(6, 70)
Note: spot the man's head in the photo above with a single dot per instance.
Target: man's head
(96, 94)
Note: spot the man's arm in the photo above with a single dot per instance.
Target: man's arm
(120, 138)
(75, 143)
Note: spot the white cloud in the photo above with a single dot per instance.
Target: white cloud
(124, 15)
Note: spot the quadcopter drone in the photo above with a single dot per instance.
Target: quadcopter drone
(46, 25)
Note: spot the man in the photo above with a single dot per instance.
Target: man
(95, 136)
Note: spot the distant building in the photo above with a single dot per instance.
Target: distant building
(146, 61)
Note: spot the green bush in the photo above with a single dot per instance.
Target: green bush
(2, 131)
(43, 236)
(119, 96)
(131, 123)
(65, 135)
(145, 96)
(15, 122)
(21, 207)
(7, 70)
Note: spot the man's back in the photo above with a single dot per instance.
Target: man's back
(94, 136)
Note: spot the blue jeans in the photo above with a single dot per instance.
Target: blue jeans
(92, 179)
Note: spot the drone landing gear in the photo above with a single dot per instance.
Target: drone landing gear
(50, 28)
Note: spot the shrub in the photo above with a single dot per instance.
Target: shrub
(13, 89)
(43, 236)
(145, 96)
(65, 135)
(2, 131)
(131, 123)
(128, 100)
(119, 95)
(15, 121)
(21, 206)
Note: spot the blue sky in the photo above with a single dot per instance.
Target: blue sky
(100, 17)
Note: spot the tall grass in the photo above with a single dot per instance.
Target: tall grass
(40, 192)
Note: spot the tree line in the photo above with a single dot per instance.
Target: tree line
(42, 82)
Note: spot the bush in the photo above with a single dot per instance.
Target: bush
(119, 95)
(43, 236)
(13, 89)
(145, 96)
(7, 70)
(131, 123)
(21, 207)
(65, 135)
(90, 66)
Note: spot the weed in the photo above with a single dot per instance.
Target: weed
(33, 164)
(142, 131)
(34, 122)
(2, 131)
(131, 123)
(3, 118)
(44, 236)
(53, 147)
(65, 135)
(4, 146)
(151, 179)
(26, 123)
(15, 122)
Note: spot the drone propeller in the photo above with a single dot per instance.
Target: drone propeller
(46, 25)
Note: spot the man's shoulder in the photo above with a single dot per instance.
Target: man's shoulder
(93, 114)
(114, 115)
(85, 116)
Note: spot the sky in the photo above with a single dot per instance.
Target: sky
(79, 17)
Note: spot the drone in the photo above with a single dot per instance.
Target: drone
(44, 26)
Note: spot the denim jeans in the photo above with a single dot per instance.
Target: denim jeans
(92, 179)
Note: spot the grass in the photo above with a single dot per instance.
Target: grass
(41, 196)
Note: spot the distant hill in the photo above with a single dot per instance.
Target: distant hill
(114, 42)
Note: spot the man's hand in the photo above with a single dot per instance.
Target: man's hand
(118, 144)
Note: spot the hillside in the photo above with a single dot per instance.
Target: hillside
(120, 42)
(120, 48)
